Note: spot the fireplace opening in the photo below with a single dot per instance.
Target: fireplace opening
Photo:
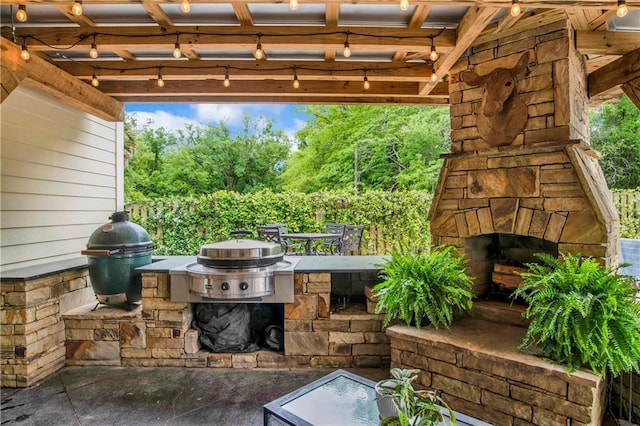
(495, 261)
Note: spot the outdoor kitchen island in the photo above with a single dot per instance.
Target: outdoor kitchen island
(316, 333)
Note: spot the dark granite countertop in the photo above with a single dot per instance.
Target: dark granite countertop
(306, 263)
(42, 270)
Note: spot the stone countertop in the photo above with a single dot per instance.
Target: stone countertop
(306, 264)
(37, 271)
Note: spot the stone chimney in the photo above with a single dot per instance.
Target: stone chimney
(544, 189)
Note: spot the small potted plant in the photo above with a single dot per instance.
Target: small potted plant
(400, 404)
(582, 314)
(424, 288)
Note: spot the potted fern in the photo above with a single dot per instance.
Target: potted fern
(582, 314)
(410, 406)
(424, 287)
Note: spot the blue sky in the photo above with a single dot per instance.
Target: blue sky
(175, 116)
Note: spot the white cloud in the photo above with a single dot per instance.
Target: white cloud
(161, 118)
(214, 113)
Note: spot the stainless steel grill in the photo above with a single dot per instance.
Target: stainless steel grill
(235, 271)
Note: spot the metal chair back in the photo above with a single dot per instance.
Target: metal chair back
(281, 226)
(241, 233)
(270, 233)
(351, 239)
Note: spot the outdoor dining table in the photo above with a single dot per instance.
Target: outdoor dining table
(308, 238)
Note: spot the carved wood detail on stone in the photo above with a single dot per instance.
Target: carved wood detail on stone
(503, 112)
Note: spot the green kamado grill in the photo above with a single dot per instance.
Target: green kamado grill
(114, 251)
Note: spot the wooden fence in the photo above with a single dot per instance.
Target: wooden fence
(628, 205)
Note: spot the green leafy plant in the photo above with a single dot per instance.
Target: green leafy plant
(413, 407)
(581, 314)
(417, 286)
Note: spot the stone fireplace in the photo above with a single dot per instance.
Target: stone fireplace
(544, 189)
(521, 179)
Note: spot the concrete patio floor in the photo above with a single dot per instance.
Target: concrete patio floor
(155, 396)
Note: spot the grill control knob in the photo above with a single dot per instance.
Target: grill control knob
(244, 285)
(225, 286)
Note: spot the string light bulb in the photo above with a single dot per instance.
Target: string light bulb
(185, 6)
(21, 13)
(404, 4)
(623, 9)
(93, 52)
(433, 54)
(94, 80)
(160, 79)
(258, 53)
(434, 76)
(293, 4)
(24, 53)
(296, 82)
(226, 82)
(176, 48)
(515, 8)
(346, 52)
(76, 8)
(366, 83)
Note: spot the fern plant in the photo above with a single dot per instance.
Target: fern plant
(419, 286)
(581, 314)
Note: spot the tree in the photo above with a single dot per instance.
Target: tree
(368, 147)
(205, 159)
(615, 133)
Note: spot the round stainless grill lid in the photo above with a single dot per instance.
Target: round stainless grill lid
(240, 254)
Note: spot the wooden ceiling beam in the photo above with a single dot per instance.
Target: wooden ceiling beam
(157, 14)
(418, 16)
(632, 89)
(286, 38)
(40, 75)
(620, 71)
(243, 14)
(265, 88)
(335, 71)
(324, 100)
(82, 20)
(607, 42)
(472, 24)
(572, 4)
(530, 22)
(600, 21)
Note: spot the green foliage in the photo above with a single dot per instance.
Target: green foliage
(369, 147)
(392, 220)
(582, 314)
(200, 160)
(628, 206)
(615, 133)
(415, 407)
(432, 286)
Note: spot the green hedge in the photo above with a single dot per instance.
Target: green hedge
(392, 219)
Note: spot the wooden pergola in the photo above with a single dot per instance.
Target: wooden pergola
(216, 40)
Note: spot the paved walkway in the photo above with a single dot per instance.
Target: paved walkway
(155, 396)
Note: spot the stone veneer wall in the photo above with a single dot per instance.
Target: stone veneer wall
(554, 91)
(31, 328)
(477, 371)
(159, 333)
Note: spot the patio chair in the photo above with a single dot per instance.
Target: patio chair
(350, 240)
(273, 233)
(330, 246)
(281, 226)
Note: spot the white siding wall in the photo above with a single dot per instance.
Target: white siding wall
(60, 178)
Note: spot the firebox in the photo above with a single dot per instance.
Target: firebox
(496, 260)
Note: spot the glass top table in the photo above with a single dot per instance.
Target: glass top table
(339, 398)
